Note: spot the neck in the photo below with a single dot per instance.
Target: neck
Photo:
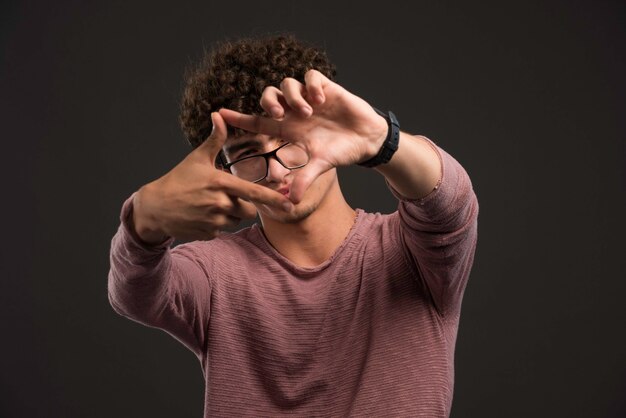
(313, 239)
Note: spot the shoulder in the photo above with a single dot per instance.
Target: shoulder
(373, 224)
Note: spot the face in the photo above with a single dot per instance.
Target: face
(280, 178)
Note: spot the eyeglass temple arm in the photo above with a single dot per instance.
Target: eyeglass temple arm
(221, 160)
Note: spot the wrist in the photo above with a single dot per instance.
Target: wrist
(380, 129)
(389, 144)
(142, 223)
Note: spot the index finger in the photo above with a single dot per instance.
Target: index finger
(252, 123)
(234, 186)
(315, 82)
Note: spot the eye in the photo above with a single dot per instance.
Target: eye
(246, 153)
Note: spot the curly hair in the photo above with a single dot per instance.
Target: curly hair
(234, 74)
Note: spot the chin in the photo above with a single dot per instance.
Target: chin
(313, 199)
(300, 212)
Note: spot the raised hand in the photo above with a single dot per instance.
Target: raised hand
(195, 200)
(336, 127)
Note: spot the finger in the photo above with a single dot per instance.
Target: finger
(293, 91)
(242, 209)
(251, 192)
(269, 211)
(214, 143)
(304, 177)
(222, 221)
(273, 102)
(315, 83)
(225, 204)
(252, 123)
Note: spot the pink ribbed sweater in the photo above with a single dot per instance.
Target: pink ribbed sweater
(370, 332)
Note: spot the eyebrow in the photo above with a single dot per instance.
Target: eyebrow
(231, 149)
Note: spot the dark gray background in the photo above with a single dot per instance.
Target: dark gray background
(529, 96)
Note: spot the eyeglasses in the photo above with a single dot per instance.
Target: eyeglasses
(256, 167)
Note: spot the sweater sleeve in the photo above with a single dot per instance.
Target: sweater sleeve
(439, 234)
(158, 286)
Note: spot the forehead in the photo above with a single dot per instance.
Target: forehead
(243, 140)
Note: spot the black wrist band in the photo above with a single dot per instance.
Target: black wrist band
(390, 146)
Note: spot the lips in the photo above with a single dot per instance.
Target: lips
(283, 190)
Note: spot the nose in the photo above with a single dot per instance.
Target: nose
(276, 172)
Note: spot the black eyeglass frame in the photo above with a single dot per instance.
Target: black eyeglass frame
(267, 156)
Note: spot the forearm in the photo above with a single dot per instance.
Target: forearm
(136, 276)
(159, 287)
(415, 169)
(440, 230)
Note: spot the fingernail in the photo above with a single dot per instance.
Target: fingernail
(307, 110)
(287, 206)
(319, 98)
(212, 127)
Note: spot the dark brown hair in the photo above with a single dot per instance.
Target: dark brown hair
(234, 74)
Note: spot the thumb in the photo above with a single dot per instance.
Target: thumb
(212, 146)
(304, 177)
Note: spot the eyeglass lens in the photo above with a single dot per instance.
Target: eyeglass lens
(254, 168)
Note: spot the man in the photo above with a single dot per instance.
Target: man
(321, 310)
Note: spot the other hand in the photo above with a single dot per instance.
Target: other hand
(336, 127)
